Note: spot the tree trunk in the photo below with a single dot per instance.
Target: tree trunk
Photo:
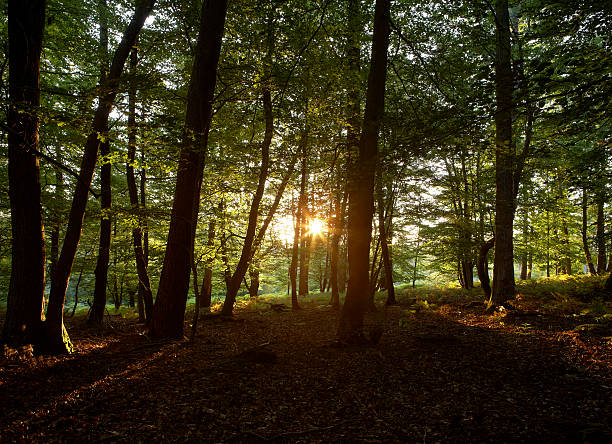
(101, 272)
(600, 236)
(482, 267)
(503, 266)
(303, 222)
(247, 247)
(206, 292)
(76, 291)
(144, 284)
(23, 320)
(293, 267)
(57, 340)
(585, 241)
(169, 310)
(384, 242)
(58, 216)
(361, 197)
(334, 254)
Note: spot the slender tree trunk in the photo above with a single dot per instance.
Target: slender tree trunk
(76, 290)
(169, 310)
(600, 236)
(361, 197)
(482, 267)
(526, 246)
(206, 292)
(247, 247)
(293, 267)
(336, 228)
(567, 259)
(101, 272)
(304, 235)
(503, 266)
(385, 242)
(585, 241)
(23, 320)
(57, 217)
(144, 284)
(57, 340)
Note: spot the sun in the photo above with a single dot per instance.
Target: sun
(316, 227)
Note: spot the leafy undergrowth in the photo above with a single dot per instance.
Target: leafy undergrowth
(444, 371)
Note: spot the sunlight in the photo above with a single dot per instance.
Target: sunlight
(316, 227)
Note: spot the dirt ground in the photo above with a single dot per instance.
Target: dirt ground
(453, 374)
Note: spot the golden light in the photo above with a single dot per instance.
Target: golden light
(316, 227)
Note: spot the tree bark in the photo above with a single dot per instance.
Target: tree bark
(144, 284)
(600, 236)
(503, 266)
(206, 292)
(361, 197)
(482, 267)
(23, 320)
(247, 247)
(57, 340)
(293, 267)
(169, 310)
(101, 272)
(585, 241)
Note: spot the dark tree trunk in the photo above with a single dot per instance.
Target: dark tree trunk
(585, 241)
(247, 247)
(101, 272)
(303, 222)
(57, 340)
(206, 292)
(169, 310)
(336, 229)
(254, 277)
(526, 248)
(57, 217)
(503, 267)
(293, 267)
(566, 250)
(600, 237)
(383, 222)
(76, 290)
(144, 284)
(608, 284)
(482, 267)
(361, 197)
(27, 285)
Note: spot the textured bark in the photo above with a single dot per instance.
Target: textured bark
(56, 336)
(101, 271)
(144, 284)
(503, 266)
(303, 223)
(169, 310)
(361, 197)
(23, 320)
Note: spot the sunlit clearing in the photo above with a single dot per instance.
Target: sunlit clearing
(316, 227)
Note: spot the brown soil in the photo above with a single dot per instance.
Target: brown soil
(451, 375)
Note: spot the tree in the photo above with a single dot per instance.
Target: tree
(169, 309)
(361, 196)
(503, 265)
(99, 299)
(25, 297)
(56, 339)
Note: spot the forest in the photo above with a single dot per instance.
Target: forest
(306, 221)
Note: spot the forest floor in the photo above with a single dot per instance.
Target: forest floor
(441, 373)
